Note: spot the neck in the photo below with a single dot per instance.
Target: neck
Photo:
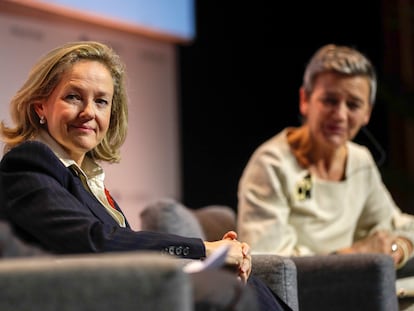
(325, 163)
(330, 166)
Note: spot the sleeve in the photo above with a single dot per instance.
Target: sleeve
(380, 210)
(403, 225)
(264, 207)
(378, 207)
(47, 205)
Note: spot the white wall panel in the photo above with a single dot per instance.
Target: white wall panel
(149, 167)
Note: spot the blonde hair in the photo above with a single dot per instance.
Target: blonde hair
(43, 79)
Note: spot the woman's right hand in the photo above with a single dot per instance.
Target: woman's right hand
(379, 242)
(238, 255)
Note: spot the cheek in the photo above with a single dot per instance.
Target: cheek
(104, 120)
(355, 124)
(366, 119)
(360, 119)
(58, 117)
(314, 115)
(60, 111)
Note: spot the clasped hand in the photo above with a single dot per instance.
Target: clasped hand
(238, 255)
(382, 242)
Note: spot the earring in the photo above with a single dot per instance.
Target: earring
(42, 120)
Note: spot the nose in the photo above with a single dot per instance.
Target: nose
(88, 111)
(341, 110)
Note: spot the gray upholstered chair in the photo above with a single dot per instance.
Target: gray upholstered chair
(364, 282)
(332, 283)
(104, 282)
(32, 279)
(210, 223)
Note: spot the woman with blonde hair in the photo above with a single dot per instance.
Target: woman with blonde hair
(69, 115)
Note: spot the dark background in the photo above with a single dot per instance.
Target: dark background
(239, 81)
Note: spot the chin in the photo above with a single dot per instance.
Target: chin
(336, 142)
(85, 146)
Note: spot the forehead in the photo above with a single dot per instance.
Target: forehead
(88, 68)
(358, 86)
(88, 73)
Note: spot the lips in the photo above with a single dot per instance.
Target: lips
(335, 130)
(82, 127)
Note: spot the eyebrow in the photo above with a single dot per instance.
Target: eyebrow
(79, 89)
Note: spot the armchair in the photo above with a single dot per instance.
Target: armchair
(210, 223)
(332, 283)
(346, 282)
(105, 282)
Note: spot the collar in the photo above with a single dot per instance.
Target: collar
(89, 168)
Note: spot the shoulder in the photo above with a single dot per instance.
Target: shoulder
(360, 161)
(275, 144)
(360, 154)
(272, 158)
(275, 150)
(32, 154)
(28, 146)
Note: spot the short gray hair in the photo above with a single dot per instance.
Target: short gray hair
(343, 60)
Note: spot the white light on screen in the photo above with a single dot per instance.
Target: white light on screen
(174, 17)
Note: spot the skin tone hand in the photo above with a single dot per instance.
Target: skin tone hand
(378, 242)
(238, 255)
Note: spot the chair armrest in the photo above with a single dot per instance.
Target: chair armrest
(279, 273)
(105, 282)
(346, 282)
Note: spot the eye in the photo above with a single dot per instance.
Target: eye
(72, 97)
(331, 101)
(101, 101)
(353, 105)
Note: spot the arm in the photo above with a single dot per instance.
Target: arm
(381, 223)
(264, 204)
(48, 205)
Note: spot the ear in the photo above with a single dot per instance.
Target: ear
(367, 116)
(39, 108)
(303, 102)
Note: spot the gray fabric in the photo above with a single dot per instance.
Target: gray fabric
(346, 282)
(279, 273)
(11, 246)
(220, 290)
(104, 282)
(166, 215)
(170, 216)
(216, 220)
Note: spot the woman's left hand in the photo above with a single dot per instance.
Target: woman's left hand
(245, 266)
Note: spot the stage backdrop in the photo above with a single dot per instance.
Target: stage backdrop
(149, 168)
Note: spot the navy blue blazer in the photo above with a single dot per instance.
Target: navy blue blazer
(47, 205)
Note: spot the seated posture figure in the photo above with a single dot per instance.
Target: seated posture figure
(311, 189)
(70, 114)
